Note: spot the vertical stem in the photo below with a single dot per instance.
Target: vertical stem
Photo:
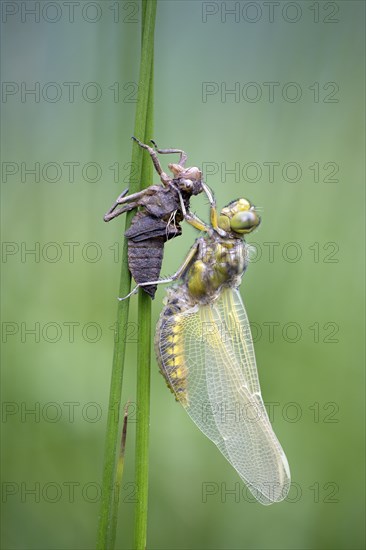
(143, 377)
(143, 421)
(112, 434)
(114, 407)
(118, 482)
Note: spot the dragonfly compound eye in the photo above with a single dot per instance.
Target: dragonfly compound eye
(244, 222)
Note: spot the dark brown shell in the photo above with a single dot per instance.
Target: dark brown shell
(144, 260)
(157, 222)
(146, 237)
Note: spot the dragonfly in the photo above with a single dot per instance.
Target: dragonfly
(159, 215)
(205, 352)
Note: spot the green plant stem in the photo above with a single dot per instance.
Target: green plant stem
(112, 434)
(118, 481)
(115, 395)
(143, 379)
(143, 421)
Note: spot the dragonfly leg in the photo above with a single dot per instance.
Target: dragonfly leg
(191, 254)
(213, 210)
(195, 221)
(130, 202)
(192, 219)
(183, 156)
(165, 179)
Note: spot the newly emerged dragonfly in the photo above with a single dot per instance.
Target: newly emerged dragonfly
(160, 214)
(205, 352)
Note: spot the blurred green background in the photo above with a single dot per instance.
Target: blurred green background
(295, 147)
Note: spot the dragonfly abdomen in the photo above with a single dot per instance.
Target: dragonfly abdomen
(146, 237)
(169, 346)
(145, 259)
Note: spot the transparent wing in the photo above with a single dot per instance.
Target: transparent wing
(222, 392)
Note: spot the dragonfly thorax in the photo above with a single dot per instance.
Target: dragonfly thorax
(219, 263)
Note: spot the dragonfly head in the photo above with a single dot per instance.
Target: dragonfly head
(239, 217)
(187, 179)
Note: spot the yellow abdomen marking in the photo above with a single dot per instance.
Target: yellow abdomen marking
(173, 365)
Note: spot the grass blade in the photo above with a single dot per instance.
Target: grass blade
(112, 434)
